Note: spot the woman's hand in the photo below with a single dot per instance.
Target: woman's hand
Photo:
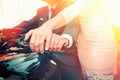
(39, 39)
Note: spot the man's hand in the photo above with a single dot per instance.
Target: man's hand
(39, 39)
(58, 43)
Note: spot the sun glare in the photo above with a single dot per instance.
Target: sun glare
(24, 10)
(114, 12)
(12, 12)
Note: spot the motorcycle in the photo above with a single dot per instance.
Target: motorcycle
(16, 58)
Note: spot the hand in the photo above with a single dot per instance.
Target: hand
(57, 43)
(39, 39)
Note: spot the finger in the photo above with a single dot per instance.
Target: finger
(37, 45)
(47, 45)
(60, 45)
(56, 43)
(63, 44)
(42, 44)
(27, 35)
(32, 42)
(52, 40)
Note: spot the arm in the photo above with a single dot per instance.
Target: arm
(68, 36)
(73, 28)
(40, 37)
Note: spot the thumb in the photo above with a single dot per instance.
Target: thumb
(28, 35)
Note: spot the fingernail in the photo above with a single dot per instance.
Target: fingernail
(42, 52)
(46, 49)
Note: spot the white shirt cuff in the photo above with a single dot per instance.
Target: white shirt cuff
(67, 36)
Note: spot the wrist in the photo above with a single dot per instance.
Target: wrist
(69, 38)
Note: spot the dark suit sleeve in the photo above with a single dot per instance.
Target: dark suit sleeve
(35, 22)
(73, 28)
